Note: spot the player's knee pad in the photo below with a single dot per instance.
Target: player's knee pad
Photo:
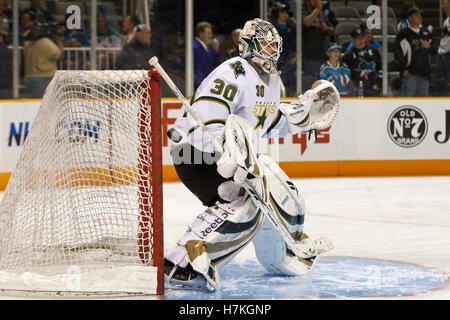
(216, 236)
(272, 252)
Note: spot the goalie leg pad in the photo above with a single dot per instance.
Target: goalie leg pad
(273, 254)
(216, 236)
(270, 248)
(283, 193)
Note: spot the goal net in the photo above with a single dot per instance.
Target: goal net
(82, 212)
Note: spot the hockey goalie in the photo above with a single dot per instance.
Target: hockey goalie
(246, 195)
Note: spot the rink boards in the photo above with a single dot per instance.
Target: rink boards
(370, 137)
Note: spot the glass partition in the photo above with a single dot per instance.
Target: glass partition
(168, 41)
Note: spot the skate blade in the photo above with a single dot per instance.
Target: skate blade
(198, 285)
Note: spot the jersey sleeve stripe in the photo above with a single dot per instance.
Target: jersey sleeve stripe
(213, 99)
(213, 121)
(274, 123)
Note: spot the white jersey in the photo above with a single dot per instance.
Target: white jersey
(234, 87)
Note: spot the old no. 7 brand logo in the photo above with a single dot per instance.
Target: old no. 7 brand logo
(437, 134)
(407, 126)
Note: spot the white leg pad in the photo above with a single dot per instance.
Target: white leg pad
(216, 236)
(272, 253)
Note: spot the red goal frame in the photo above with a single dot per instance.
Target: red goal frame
(151, 243)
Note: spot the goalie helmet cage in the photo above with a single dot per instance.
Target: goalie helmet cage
(82, 213)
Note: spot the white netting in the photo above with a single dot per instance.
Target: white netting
(75, 202)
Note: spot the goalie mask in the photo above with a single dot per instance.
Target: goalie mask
(261, 42)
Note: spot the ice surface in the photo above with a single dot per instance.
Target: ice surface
(391, 238)
(331, 277)
(400, 224)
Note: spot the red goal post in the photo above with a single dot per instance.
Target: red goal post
(156, 209)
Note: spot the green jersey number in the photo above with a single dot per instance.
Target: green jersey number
(260, 91)
(228, 92)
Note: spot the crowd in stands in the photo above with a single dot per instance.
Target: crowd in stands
(44, 42)
(355, 66)
(336, 46)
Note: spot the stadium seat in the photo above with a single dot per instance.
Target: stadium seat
(343, 31)
(347, 14)
(391, 13)
(337, 4)
(361, 6)
(392, 31)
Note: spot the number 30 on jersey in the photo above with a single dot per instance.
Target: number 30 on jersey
(228, 92)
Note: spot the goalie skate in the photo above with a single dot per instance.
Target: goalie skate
(179, 278)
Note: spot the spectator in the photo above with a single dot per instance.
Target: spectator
(26, 21)
(316, 31)
(5, 69)
(412, 51)
(74, 38)
(136, 54)
(206, 52)
(330, 17)
(405, 6)
(287, 61)
(368, 34)
(5, 22)
(39, 14)
(364, 62)
(175, 59)
(334, 72)
(40, 55)
(443, 70)
(233, 51)
(107, 37)
(175, 64)
(7, 9)
(128, 25)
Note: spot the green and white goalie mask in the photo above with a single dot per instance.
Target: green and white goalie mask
(261, 42)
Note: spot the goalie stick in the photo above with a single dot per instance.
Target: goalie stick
(301, 250)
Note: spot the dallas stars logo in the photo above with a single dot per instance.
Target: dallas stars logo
(261, 119)
(262, 111)
(237, 68)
